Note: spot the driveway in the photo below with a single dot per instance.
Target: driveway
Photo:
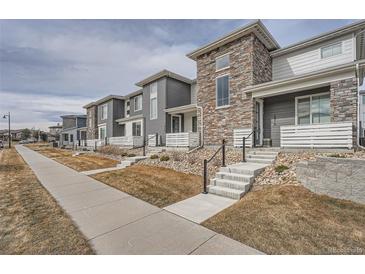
(117, 223)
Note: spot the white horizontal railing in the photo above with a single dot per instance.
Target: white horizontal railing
(238, 135)
(126, 141)
(332, 135)
(182, 139)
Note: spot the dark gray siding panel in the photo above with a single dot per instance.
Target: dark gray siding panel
(118, 110)
(81, 122)
(178, 93)
(132, 112)
(280, 111)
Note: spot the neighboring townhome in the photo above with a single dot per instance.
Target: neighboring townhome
(73, 130)
(362, 117)
(304, 95)
(163, 112)
(169, 109)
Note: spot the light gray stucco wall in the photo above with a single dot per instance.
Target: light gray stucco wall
(280, 111)
(132, 112)
(157, 125)
(68, 123)
(115, 111)
(337, 177)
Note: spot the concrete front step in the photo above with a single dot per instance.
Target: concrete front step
(243, 186)
(235, 177)
(260, 152)
(260, 161)
(226, 192)
(261, 156)
(252, 169)
(131, 160)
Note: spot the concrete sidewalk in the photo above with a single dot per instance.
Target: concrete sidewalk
(117, 223)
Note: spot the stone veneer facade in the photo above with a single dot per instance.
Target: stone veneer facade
(250, 64)
(92, 127)
(344, 102)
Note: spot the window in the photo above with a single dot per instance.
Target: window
(153, 101)
(331, 50)
(137, 129)
(222, 62)
(138, 103)
(65, 137)
(71, 138)
(313, 109)
(123, 130)
(102, 133)
(222, 91)
(104, 112)
(194, 123)
(90, 122)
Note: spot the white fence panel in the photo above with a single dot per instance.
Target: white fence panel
(126, 141)
(332, 135)
(151, 142)
(238, 135)
(182, 139)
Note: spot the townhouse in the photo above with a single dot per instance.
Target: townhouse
(73, 130)
(305, 95)
(162, 112)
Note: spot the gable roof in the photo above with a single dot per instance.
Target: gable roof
(320, 38)
(161, 74)
(256, 27)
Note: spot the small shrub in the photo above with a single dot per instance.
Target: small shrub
(281, 168)
(164, 158)
(337, 155)
(154, 156)
(176, 156)
(131, 155)
(123, 154)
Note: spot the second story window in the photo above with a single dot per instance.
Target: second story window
(138, 103)
(331, 50)
(222, 62)
(153, 101)
(222, 91)
(104, 112)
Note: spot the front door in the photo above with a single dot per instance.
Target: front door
(176, 123)
(259, 122)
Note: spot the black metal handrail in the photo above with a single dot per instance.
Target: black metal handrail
(144, 143)
(244, 146)
(206, 161)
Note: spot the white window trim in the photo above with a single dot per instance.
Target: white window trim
(101, 108)
(135, 104)
(180, 123)
(99, 127)
(330, 45)
(310, 107)
(216, 92)
(140, 123)
(153, 118)
(220, 56)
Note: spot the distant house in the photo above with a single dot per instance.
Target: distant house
(73, 130)
(16, 134)
(54, 132)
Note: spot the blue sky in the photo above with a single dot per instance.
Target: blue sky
(53, 67)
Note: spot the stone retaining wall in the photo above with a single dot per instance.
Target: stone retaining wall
(337, 177)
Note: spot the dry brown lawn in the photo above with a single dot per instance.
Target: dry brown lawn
(155, 185)
(293, 220)
(31, 222)
(81, 162)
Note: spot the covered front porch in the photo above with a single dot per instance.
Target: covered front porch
(182, 127)
(321, 115)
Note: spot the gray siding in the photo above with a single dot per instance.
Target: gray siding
(178, 93)
(81, 122)
(115, 111)
(280, 111)
(309, 59)
(158, 125)
(68, 123)
(132, 112)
